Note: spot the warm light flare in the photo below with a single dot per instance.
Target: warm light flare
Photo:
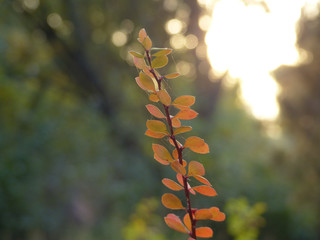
(249, 42)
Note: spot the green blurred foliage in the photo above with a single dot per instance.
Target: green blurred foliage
(244, 220)
(74, 161)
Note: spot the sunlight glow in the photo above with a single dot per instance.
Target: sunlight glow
(249, 42)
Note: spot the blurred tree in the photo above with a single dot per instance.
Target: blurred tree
(300, 114)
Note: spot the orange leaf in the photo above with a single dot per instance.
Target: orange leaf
(175, 122)
(205, 190)
(202, 179)
(142, 35)
(146, 81)
(162, 152)
(164, 162)
(196, 168)
(139, 62)
(157, 126)
(182, 130)
(197, 145)
(171, 184)
(204, 232)
(180, 180)
(172, 75)
(176, 166)
(183, 102)
(164, 97)
(155, 111)
(203, 214)
(171, 201)
(147, 71)
(174, 222)
(172, 143)
(217, 215)
(153, 134)
(187, 221)
(153, 97)
(186, 114)
(175, 154)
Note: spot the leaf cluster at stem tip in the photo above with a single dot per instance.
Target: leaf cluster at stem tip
(168, 126)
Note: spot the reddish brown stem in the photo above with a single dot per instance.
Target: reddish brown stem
(179, 150)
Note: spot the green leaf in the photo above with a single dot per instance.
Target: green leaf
(159, 62)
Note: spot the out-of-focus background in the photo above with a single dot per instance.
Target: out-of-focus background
(74, 160)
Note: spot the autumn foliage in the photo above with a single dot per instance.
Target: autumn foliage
(168, 127)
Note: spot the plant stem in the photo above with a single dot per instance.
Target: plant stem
(179, 150)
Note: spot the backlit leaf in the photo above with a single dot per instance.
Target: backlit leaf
(172, 75)
(174, 222)
(176, 166)
(164, 97)
(186, 114)
(217, 215)
(171, 201)
(147, 43)
(180, 180)
(142, 35)
(176, 122)
(205, 190)
(204, 232)
(139, 62)
(159, 62)
(164, 162)
(184, 101)
(196, 168)
(187, 221)
(203, 214)
(155, 111)
(162, 51)
(157, 126)
(171, 184)
(202, 179)
(153, 134)
(146, 81)
(140, 84)
(135, 54)
(182, 130)
(197, 145)
(147, 71)
(161, 152)
(153, 97)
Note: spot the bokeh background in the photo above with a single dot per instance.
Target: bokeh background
(74, 161)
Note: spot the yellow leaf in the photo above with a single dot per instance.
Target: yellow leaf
(159, 62)
(164, 97)
(146, 81)
(172, 75)
(162, 152)
(182, 130)
(197, 145)
(157, 126)
(196, 168)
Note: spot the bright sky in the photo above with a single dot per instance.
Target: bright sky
(250, 42)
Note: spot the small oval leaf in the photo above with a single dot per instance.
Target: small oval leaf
(164, 162)
(197, 145)
(155, 111)
(204, 232)
(176, 122)
(174, 222)
(135, 54)
(171, 201)
(162, 152)
(142, 35)
(203, 214)
(182, 130)
(139, 62)
(187, 221)
(162, 51)
(153, 97)
(172, 75)
(157, 126)
(196, 168)
(205, 190)
(164, 97)
(147, 43)
(159, 62)
(186, 114)
(146, 81)
(153, 134)
(171, 184)
(202, 180)
(217, 215)
(184, 101)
